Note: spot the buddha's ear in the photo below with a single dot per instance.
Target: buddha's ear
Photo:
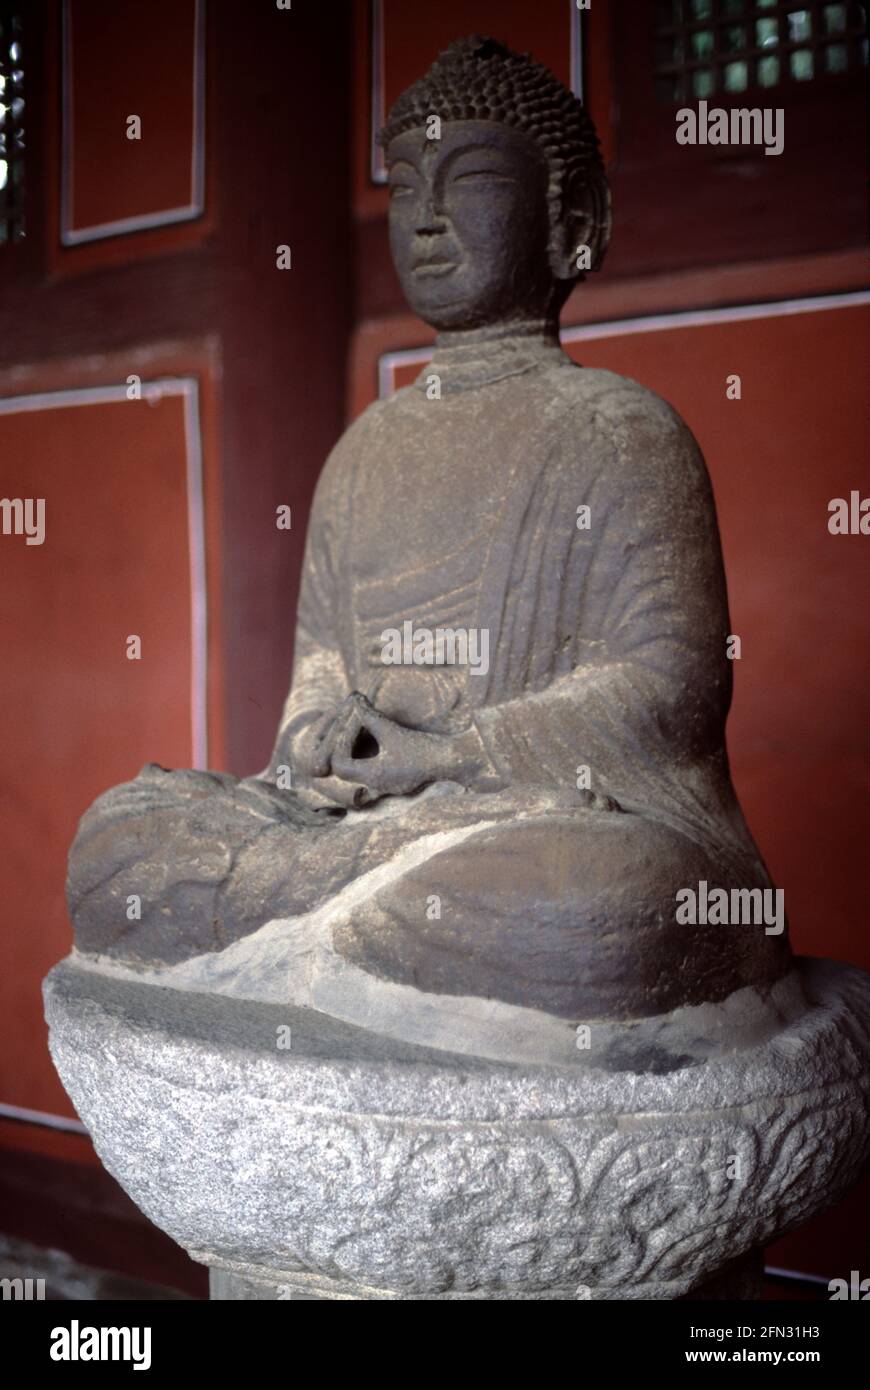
(584, 221)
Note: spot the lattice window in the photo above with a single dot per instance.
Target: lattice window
(11, 126)
(706, 48)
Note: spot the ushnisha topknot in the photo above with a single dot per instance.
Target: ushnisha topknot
(480, 79)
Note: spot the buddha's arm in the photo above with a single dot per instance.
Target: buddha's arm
(319, 682)
(649, 678)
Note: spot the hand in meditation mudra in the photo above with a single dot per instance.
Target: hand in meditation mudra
(452, 851)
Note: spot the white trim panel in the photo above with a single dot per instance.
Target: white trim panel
(76, 236)
(21, 1115)
(188, 389)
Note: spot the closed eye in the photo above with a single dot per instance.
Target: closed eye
(479, 175)
(399, 190)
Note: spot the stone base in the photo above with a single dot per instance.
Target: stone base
(350, 1166)
(740, 1281)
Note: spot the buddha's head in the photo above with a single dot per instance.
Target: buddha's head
(496, 186)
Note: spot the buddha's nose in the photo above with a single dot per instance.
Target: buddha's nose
(430, 217)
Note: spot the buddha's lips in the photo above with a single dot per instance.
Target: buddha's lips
(434, 267)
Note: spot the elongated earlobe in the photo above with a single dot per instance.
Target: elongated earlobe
(583, 230)
(600, 216)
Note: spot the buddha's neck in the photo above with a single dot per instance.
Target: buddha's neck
(472, 357)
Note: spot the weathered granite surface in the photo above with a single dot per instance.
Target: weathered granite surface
(352, 1166)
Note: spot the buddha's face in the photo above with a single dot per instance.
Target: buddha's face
(469, 223)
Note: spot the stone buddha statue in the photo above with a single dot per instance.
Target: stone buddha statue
(502, 757)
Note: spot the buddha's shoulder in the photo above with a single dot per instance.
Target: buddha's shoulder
(341, 461)
(593, 406)
(370, 421)
(595, 394)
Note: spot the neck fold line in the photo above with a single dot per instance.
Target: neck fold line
(467, 358)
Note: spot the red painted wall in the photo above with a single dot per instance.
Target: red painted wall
(114, 562)
(200, 299)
